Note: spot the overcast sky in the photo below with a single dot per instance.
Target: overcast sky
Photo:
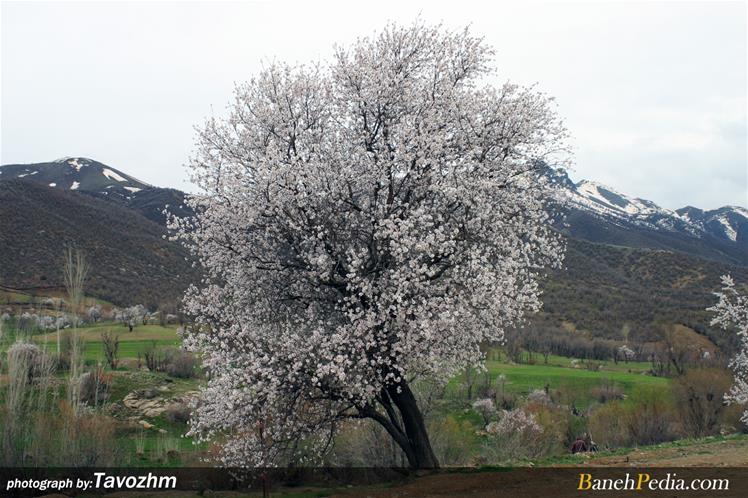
(654, 94)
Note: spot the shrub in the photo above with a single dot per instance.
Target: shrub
(69, 348)
(652, 418)
(93, 387)
(517, 434)
(608, 425)
(506, 400)
(451, 441)
(28, 359)
(607, 391)
(539, 396)
(700, 394)
(485, 408)
(364, 443)
(154, 358)
(177, 413)
(647, 417)
(174, 361)
(557, 424)
(110, 343)
(62, 437)
(182, 364)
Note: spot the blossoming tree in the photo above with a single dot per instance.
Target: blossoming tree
(361, 224)
(731, 312)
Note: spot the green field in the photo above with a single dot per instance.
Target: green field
(570, 381)
(562, 374)
(141, 339)
(140, 333)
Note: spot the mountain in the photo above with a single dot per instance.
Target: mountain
(615, 292)
(131, 261)
(631, 265)
(597, 213)
(96, 179)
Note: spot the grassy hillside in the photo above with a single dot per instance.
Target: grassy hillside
(615, 292)
(130, 260)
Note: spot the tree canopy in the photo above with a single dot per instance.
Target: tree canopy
(731, 312)
(362, 223)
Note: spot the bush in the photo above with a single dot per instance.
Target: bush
(364, 443)
(93, 387)
(506, 400)
(539, 397)
(182, 364)
(652, 418)
(60, 437)
(485, 408)
(69, 348)
(177, 413)
(110, 343)
(451, 441)
(608, 425)
(558, 425)
(700, 394)
(647, 417)
(28, 359)
(517, 434)
(174, 361)
(607, 391)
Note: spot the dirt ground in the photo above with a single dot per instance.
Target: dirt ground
(563, 480)
(727, 453)
(706, 459)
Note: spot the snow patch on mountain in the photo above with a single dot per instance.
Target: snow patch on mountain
(607, 203)
(730, 232)
(76, 164)
(112, 175)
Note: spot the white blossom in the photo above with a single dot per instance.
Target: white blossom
(626, 353)
(485, 408)
(731, 313)
(360, 224)
(513, 422)
(539, 396)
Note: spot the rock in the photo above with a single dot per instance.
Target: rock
(145, 424)
(162, 431)
(153, 412)
(145, 402)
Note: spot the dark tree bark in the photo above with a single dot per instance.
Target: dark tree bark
(404, 422)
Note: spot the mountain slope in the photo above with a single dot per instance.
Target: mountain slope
(630, 265)
(611, 291)
(78, 173)
(596, 213)
(130, 260)
(99, 180)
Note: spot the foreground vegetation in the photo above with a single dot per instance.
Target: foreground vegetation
(617, 405)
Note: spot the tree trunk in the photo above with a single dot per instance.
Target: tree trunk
(421, 455)
(404, 422)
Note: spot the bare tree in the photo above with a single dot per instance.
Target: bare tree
(110, 343)
(471, 377)
(75, 272)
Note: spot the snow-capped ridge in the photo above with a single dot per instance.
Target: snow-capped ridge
(77, 173)
(604, 202)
